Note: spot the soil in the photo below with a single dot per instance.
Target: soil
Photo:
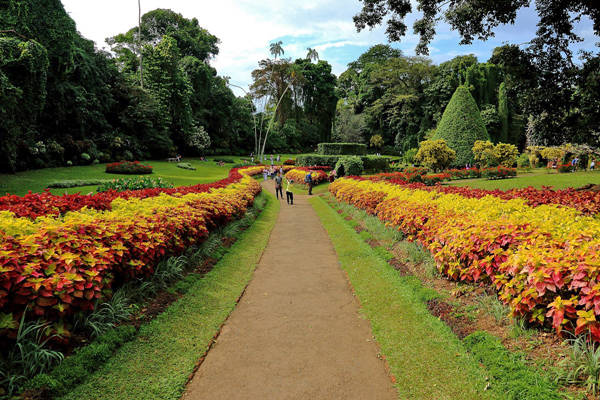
(459, 324)
(591, 187)
(297, 332)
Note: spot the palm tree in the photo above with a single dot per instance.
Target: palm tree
(312, 54)
(276, 49)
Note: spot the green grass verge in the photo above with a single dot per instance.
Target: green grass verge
(537, 178)
(511, 376)
(426, 358)
(157, 364)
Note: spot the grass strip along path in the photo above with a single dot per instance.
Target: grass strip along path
(427, 360)
(157, 364)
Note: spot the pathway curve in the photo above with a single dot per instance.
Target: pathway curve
(297, 332)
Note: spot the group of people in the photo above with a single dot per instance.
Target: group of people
(289, 195)
(263, 157)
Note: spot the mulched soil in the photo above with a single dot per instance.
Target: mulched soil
(460, 325)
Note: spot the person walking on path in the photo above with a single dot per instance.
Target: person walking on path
(309, 181)
(288, 192)
(265, 174)
(279, 186)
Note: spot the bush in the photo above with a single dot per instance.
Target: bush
(76, 183)
(69, 163)
(96, 162)
(506, 154)
(431, 180)
(350, 165)
(289, 162)
(128, 168)
(409, 156)
(376, 141)
(501, 154)
(565, 168)
(316, 159)
(376, 164)
(461, 125)
(224, 160)
(483, 152)
(85, 157)
(342, 149)
(523, 161)
(498, 172)
(435, 154)
(121, 185)
(185, 165)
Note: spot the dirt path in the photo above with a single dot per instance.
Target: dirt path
(297, 332)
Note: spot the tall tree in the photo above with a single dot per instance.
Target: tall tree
(312, 54)
(276, 49)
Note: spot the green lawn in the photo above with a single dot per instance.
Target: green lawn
(427, 360)
(157, 364)
(37, 180)
(536, 178)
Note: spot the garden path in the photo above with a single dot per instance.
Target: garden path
(297, 332)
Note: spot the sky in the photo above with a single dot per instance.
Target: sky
(246, 27)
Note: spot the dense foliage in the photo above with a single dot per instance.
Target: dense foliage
(299, 102)
(461, 125)
(525, 97)
(62, 101)
(342, 149)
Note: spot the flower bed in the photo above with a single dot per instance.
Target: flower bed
(57, 266)
(128, 167)
(542, 260)
(298, 175)
(498, 172)
(464, 173)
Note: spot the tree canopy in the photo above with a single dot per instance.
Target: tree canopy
(476, 19)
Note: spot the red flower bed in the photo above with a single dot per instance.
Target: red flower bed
(128, 167)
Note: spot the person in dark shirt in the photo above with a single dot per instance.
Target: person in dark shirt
(279, 186)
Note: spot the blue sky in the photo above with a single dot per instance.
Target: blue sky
(246, 27)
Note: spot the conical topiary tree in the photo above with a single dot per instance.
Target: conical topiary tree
(461, 125)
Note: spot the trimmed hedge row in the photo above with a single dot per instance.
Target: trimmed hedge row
(370, 163)
(342, 149)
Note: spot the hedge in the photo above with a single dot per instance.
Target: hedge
(461, 126)
(370, 163)
(342, 149)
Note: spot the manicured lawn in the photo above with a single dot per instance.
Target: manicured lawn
(157, 364)
(37, 180)
(537, 178)
(427, 360)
